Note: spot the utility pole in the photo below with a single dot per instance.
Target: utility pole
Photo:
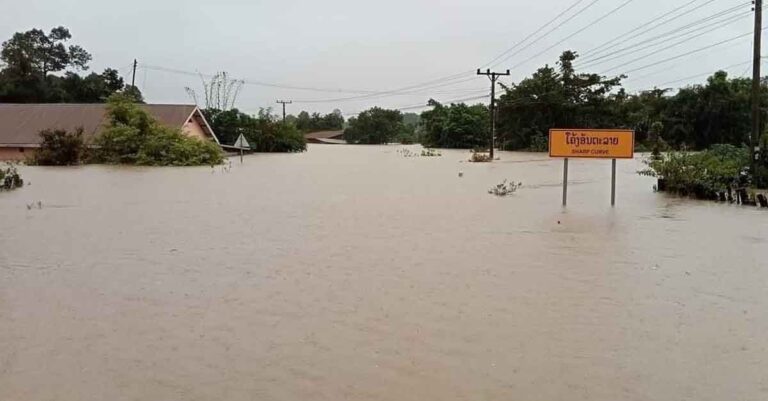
(133, 79)
(754, 138)
(493, 76)
(283, 102)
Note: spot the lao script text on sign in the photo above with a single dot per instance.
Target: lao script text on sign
(592, 143)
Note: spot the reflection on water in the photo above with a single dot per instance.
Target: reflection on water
(353, 273)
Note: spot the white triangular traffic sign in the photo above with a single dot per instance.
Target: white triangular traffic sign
(242, 143)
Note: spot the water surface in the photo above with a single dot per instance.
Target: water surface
(353, 273)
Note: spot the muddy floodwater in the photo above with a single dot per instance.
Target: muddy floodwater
(354, 273)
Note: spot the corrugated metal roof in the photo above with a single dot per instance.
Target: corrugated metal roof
(325, 135)
(20, 124)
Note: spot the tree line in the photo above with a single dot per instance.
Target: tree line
(264, 131)
(695, 117)
(39, 67)
(377, 126)
(306, 122)
(130, 136)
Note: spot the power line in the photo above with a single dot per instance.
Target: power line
(587, 7)
(284, 102)
(252, 82)
(704, 74)
(665, 36)
(648, 25)
(680, 55)
(722, 25)
(493, 76)
(604, 16)
(385, 94)
(422, 105)
(293, 87)
(754, 136)
(723, 12)
(450, 80)
(454, 77)
(541, 28)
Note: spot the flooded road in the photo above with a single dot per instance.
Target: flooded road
(353, 273)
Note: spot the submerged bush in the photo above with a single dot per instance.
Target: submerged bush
(134, 137)
(480, 157)
(278, 137)
(539, 143)
(60, 148)
(505, 188)
(702, 173)
(265, 131)
(169, 147)
(10, 178)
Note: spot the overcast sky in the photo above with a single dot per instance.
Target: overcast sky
(360, 45)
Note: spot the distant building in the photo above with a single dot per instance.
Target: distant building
(327, 137)
(20, 124)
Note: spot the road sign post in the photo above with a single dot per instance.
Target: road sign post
(591, 144)
(613, 182)
(242, 144)
(565, 181)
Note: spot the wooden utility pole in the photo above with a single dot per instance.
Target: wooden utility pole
(493, 76)
(133, 79)
(283, 102)
(754, 138)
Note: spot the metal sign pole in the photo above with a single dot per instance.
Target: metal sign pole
(241, 155)
(613, 182)
(565, 181)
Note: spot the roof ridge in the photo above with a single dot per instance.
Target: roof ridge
(93, 104)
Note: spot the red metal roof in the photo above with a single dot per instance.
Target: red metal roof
(20, 124)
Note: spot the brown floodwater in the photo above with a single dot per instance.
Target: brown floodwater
(354, 273)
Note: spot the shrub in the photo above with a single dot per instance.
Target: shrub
(287, 139)
(539, 143)
(480, 157)
(119, 144)
(264, 132)
(456, 125)
(60, 148)
(704, 173)
(169, 147)
(10, 178)
(375, 126)
(407, 136)
(134, 137)
(760, 177)
(277, 137)
(505, 188)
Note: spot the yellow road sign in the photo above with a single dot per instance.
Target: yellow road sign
(592, 143)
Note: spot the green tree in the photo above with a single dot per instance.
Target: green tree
(40, 68)
(557, 98)
(655, 139)
(455, 126)
(132, 136)
(375, 126)
(93, 88)
(61, 148)
(34, 52)
(265, 132)
(306, 122)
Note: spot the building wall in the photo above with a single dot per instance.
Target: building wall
(194, 130)
(13, 154)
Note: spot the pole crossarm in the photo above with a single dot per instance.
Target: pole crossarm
(493, 76)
